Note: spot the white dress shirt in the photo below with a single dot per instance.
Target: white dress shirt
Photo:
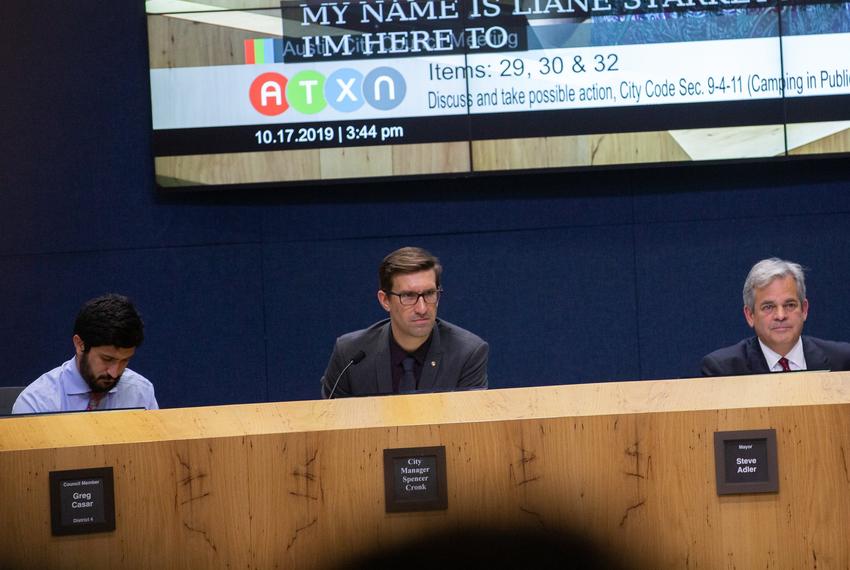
(64, 389)
(796, 358)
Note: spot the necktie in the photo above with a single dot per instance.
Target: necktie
(94, 400)
(408, 380)
(783, 362)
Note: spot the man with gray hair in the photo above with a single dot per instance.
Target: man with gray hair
(776, 307)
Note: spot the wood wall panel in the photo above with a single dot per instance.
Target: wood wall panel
(834, 143)
(578, 150)
(313, 164)
(176, 42)
(271, 493)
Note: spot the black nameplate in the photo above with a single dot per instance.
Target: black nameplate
(745, 462)
(415, 479)
(82, 501)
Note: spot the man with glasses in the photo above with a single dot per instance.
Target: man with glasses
(776, 307)
(412, 350)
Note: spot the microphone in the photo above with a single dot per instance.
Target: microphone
(354, 360)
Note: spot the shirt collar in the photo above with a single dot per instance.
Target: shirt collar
(74, 383)
(796, 357)
(397, 353)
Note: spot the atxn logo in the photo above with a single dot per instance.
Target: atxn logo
(345, 90)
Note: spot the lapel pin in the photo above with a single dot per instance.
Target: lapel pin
(433, 363)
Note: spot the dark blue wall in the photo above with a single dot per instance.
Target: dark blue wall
(571, 277)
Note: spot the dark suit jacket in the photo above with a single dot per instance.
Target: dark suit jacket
(746, 357)
(459, 360)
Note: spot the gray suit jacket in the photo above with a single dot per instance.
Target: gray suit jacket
(746, 357)
(456, 359)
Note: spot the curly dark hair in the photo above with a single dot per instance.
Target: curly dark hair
(109, 320)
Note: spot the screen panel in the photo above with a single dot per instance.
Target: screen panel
(254, 92)
(639, 83)
(816, 58)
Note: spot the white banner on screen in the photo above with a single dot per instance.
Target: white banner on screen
(573, 78)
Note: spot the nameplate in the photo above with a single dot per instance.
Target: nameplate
(746, 462)
(82, 501)
(415, 479)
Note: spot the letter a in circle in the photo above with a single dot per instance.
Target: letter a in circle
(268, 94)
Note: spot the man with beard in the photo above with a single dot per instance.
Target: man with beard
(106, 333)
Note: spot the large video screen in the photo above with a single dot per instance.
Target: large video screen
(268, 92)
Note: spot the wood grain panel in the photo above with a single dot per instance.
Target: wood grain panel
(238, 168)
(194, 5)
(233, 487)
(436, 158)
(354, 162)
(837, 142)
(576, 400)
(175, 42)
(579, 150)
(634, 148)
(312, 164)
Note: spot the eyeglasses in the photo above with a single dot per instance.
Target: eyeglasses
(408, 298)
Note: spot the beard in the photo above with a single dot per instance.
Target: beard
(95, 382)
